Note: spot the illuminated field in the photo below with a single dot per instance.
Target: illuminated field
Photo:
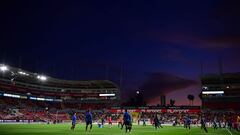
(64, 129)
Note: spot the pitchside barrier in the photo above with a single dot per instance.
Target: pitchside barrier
(135, 112)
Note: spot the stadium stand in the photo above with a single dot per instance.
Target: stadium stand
(30, 97)
(221, 91)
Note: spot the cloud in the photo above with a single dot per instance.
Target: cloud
(175, 55)
(226, 41)
(218, 30)
(218, 41)
(163, 83)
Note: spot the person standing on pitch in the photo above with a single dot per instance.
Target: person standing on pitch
(238, 123)
(110, 121)
(120, 122)
(215, 123)
(203, 124)
(144, 122)
(74, 120)
(156, 122)
(188, 122)
(230, 124)
(88, 119)
(102, 120)
(127, 121)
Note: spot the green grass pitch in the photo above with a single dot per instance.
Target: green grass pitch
(64, 129)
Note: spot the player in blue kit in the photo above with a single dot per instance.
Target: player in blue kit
(187, 122)
(88, 119)
(127, 118)
(74, 120)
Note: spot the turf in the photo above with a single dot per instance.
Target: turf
(64, 129)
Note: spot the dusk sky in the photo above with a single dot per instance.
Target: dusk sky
(157, 46)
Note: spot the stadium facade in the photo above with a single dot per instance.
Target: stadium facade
(221, 91)
(21, 84)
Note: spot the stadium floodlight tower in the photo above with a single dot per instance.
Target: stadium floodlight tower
(3, 68)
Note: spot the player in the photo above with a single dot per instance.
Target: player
(175, 122)
(127, 118)
(122, 119)
(120, 122)
(203, 124)
(88, 119)
(100, 125)
(156, 122)
(74, 120)
(187, 122)
(238, 122)
(110, 121)
(102, 120)
(215, 123)
(230, 124)
(144, 122)
(160, 122)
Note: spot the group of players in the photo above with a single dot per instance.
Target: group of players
(187, 123)
(127, 121)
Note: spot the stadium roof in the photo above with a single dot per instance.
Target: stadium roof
(20, 75)
(224, 75)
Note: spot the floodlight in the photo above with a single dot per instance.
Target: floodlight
(42, 78)
(3, 68)
(106, 95)
(213, 92)
(23, 73)
(11, 95)
(40, 99)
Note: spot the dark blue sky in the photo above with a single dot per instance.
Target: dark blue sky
(83, 40)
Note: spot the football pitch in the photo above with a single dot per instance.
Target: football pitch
(64, 129)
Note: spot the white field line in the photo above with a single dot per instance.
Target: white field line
(229, 131)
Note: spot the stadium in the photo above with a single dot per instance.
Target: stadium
(25, 91)
(99, 67)
(28, 99)
(221, 91)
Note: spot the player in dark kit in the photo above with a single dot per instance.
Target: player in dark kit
(88, 119)
(230, 124)
(102, 120)
(187, 122)
(156, 122)
(127, 121)
(203, 125)
(215, 123)
(144, 122)
(74, 120)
